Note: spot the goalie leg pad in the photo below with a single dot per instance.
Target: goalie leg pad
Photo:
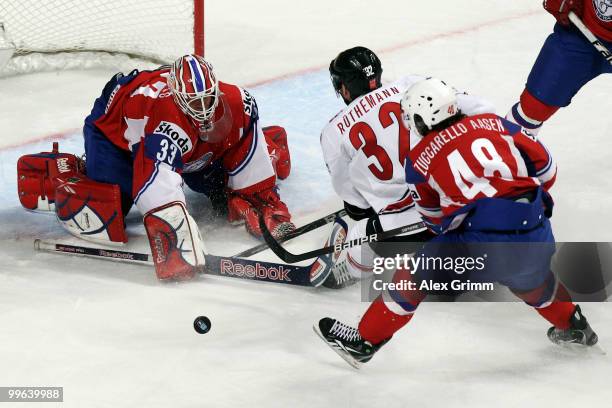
(360, 259)
(36, 174)
(89, 209)
(176, 244)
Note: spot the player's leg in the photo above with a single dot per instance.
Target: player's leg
(527, 273)
(105, 162)
(357, 263)
(381, 320)
(387, 314)
(565, 64)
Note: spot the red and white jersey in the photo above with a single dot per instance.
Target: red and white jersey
(365, 145)
(597, 16)
(480, 156)
(142, 117)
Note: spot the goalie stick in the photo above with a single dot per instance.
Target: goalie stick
(296, 233)
(591, 37)
(289, 257)
(215, 265)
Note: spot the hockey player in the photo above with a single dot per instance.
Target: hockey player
(567, 61)
(150, 131)
(479, 179)
(364, 147)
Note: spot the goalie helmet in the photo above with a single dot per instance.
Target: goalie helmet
(194, 87)
(427, 103)
(358, 69)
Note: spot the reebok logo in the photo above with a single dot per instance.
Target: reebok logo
(62, 165)
(175, 133)
(257, 271)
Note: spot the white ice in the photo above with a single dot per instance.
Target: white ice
(113, 336)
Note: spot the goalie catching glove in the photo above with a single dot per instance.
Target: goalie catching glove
(247, 208)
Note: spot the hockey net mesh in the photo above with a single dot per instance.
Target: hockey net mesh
(49, 34)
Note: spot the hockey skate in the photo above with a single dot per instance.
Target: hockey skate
(346, 341)
(579, 332)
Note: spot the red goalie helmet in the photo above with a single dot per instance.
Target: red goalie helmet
(194, 87)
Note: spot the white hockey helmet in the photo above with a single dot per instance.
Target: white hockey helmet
(427, 103)
(194, 87)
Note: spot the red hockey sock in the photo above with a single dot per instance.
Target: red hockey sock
(558, 313)
(535, 109)
(379, 323)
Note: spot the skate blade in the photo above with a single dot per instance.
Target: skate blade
(582, 348)
(345, 356)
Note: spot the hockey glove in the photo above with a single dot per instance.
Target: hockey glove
(246, 208)
(37, 174)
(561, 9)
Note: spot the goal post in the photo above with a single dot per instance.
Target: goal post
(66, 34)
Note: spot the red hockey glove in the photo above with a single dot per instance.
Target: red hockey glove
(276, 138)
(246, 208)
(561, 9)
(36, 174)
(54, 181)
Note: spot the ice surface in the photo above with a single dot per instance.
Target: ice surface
(115, 337)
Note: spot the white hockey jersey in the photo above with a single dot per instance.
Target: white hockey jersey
(364, 147)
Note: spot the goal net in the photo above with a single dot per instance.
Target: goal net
(66, 34)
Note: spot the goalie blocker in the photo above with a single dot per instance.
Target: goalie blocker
(54, 182)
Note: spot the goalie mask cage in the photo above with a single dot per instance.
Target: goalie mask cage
(45, 35)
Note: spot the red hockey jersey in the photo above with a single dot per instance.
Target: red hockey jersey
(479, 156)
(142, 117)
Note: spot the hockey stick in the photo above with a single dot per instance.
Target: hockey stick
(293, 234)
(215, 265)
(591, 37)
(289, 257)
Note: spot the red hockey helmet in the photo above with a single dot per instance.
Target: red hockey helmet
(194, 87)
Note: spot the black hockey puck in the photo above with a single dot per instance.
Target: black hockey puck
(202, 324)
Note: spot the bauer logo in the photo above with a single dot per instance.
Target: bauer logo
(257, 271)
(603, 8)
(175, 133)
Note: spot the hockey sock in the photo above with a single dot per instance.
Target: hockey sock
(558, 313)
(379, 323)
(551, 300)
(530, 112)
